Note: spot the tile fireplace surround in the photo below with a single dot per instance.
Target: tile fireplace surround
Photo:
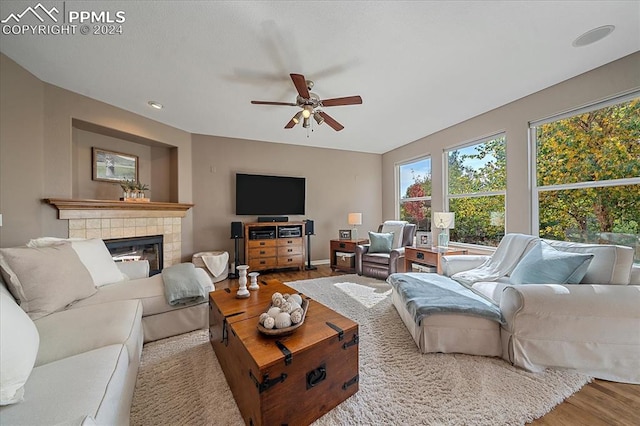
(107, 219)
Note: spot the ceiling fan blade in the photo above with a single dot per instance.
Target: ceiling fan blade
(301, 85)
(290, 124)
(348, 100)
(272, 103)
(331, 122)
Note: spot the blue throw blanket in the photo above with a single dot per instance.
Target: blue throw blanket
(181, 285)
(427, 294)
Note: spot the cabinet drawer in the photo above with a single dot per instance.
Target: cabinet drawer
(293, 260)
(421, 257)
(283, 242)
(262, 252)
(261, 243)
(343, 246)
(262, 263)
(410, 254)
(289, 251)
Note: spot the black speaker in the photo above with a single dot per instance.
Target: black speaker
(236, 229)
(308, 231)
(308, 227)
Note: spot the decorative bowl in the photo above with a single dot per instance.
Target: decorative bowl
(286, 330)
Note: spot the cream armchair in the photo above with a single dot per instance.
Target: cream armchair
(382, 264)
(592, 327)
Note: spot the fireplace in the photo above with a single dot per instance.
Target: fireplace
(138, 248)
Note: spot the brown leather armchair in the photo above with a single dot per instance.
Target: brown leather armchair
(381, 265)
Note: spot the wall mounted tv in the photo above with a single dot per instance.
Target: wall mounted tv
(269, 195)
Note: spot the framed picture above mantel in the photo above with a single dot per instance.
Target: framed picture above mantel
(111, 166)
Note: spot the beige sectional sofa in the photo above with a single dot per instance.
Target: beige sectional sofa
(77, 362)
(592, 326)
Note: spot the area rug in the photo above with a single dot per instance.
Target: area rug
(181, 382)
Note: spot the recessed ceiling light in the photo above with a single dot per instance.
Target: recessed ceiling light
(154, 104)
(593, 35)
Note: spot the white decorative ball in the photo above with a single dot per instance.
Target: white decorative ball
(275, 296)
(263, 316)
(277, 302)
(296, 310)
(269, 323)
(272, 312)
(283, 320)
(296, 316)
(286, 296)
(296, 298)
(285, 307)
(294, 306)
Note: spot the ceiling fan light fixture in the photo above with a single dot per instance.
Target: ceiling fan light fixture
(308, 102)
(296, 118)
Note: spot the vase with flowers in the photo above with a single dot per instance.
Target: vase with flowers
(133, 190)
(128, 188)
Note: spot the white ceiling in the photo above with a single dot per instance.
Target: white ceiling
(419, 66)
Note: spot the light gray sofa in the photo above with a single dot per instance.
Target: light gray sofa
(83, 357)
(592, 326)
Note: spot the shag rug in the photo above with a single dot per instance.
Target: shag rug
(181, 382)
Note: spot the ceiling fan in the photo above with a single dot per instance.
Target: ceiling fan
(311, 105)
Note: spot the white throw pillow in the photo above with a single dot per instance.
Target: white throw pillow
(397, 227)
(93, 253)
(46, 279)
(96, 257)
(19, 341)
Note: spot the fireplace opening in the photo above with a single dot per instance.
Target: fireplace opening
(138, 248)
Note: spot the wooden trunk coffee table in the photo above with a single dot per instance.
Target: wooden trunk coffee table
(291, 379)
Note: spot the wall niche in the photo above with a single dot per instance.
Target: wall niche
(157, 163)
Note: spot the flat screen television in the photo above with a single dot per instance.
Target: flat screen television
(269, 195)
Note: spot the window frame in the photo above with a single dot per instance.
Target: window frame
(398, 182)
(445, 181)
(533, 156)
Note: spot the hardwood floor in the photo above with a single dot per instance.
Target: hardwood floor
(598, 403)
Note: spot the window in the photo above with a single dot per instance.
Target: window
(587, 174)
(415, 192)
(476, 191)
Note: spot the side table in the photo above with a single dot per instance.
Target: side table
(428, 256)
(345, 246)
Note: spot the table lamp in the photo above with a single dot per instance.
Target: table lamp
(444, 221)
(355, 219)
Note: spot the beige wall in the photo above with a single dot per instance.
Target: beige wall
(21, 153)
(338, 182)
(36, 147)
(154, 167)
(617, 77)
(36, 125)
(82, 173)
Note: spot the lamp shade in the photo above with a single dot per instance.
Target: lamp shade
(355, 219)
(444, 220)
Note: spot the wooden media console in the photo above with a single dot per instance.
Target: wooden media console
(274, 245)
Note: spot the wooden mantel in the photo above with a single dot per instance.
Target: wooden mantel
(101, 209)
